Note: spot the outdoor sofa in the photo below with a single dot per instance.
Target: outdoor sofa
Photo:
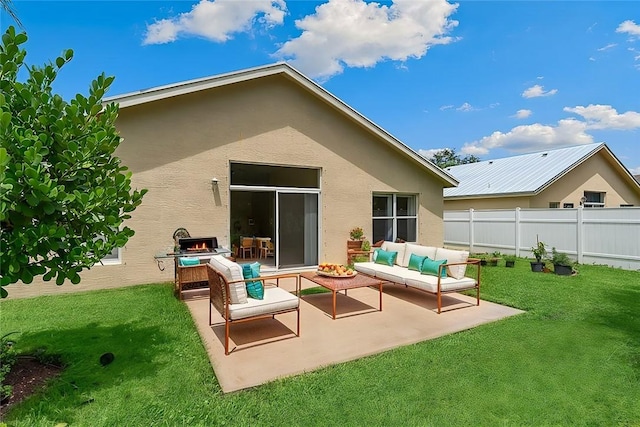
(444, 278)
(228, 295)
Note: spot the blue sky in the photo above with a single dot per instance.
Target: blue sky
(492, 79)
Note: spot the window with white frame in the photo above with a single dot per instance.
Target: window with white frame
(593, 199)
(112, 258)
(395, 216)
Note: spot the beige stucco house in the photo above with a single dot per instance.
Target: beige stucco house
(263, 152)
(586, 175)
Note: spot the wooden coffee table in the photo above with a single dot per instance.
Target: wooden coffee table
(336, 284)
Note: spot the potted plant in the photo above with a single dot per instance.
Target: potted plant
(562, 264)
(482, 258)
(357, 237)
(494, 258)
(539, 251)
(510, 261)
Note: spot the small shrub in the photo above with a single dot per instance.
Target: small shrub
(7, 360)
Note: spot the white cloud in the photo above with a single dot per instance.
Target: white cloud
(536, 91)
(536, 136)
(629, 27)
(428, 154)
(465, 107)
(217, 20)
(446, 107)
(606, 117)
(591, 58)
(354, 33)
(635, 171)
(607, 47)
(566, 132)
(522, 114)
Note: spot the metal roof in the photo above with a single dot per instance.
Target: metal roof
(524, 175)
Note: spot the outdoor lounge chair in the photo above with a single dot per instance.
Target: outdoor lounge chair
(222, 290)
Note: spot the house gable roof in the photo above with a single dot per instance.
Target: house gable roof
(525, 175)
(186, 87)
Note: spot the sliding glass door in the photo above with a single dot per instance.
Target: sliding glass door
(280, 203)
(297, 229)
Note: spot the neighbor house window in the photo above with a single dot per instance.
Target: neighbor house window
(626, 206)
(593, 199)
(554, 205)
(395, 216)
(567, 205)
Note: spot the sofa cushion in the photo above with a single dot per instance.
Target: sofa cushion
(430, 283)
(386, 257)
(455, 271)
(232, 272)
(432, 267)
(415, 262)
(385, 272)
(412, 248)
(399, 248)
(275, 299)
(255, 288)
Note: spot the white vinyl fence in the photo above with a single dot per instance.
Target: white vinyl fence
(591, 236)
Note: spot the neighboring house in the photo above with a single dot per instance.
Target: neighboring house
(637, 177)
(264, 152)
(586, 175)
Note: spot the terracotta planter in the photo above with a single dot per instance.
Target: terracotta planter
(510, 264)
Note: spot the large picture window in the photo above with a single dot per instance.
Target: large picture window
(395, 216)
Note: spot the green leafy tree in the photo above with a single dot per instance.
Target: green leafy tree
(63, 194)
(448, 157)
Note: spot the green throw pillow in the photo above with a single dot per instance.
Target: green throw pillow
(386, 257)
(255, 288)
(415, 262)
(430, 267)
(184, 262)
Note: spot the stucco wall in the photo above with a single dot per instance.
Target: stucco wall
(595, 174)
(488, 203)
(174, 148)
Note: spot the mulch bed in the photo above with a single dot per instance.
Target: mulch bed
(28, 375)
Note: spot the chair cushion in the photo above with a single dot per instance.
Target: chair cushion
(255, 288)
(232, 272)
(455, 271)
(187, 261)
(275, 299)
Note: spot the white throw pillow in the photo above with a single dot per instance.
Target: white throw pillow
(455, 271)
(231, 271)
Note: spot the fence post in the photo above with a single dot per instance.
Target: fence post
(517, 225)
(579, 234)
(471, 239)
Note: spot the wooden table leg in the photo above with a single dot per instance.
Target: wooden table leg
(380, 286)
(334, 304)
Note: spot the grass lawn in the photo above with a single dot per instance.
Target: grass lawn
(573, 358)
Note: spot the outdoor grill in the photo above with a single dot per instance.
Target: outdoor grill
(197, 244)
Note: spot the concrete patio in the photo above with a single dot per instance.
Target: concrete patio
(268, 349)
